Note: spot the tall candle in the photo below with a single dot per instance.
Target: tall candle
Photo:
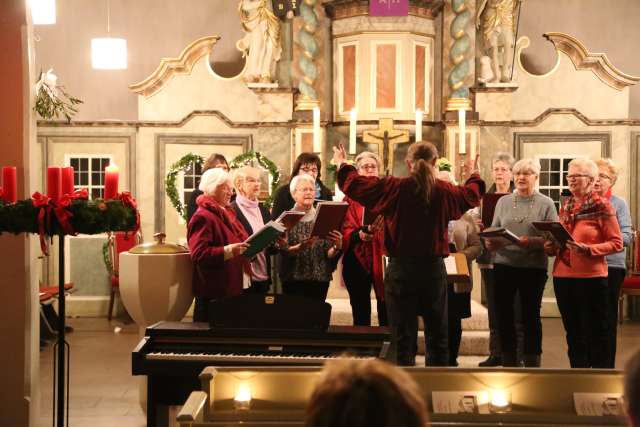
(353, 123)
(67, 180)
(418, 125)
(9, 184)
(316, 130)
(110, 181)
(462, 148)
(54, 182)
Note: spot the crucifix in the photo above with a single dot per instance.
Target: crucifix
(386, 138)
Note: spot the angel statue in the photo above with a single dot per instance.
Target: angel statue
(261, 43)
(496, 19)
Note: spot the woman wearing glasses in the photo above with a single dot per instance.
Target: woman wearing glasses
(521, 267)
(617, 268)
(580, 269)
(362, 261)
(306, 163)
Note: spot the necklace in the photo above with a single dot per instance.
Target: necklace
(521, 219)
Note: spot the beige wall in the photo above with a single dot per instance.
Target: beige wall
(610, 27)
(153, 28)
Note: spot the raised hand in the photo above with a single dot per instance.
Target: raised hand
(339, 155)
(470, 166)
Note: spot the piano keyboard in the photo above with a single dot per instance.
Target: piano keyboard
(251, 358)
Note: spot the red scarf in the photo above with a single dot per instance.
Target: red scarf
(226, 215)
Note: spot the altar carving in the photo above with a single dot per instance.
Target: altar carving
(496, 19)
(386, 138)
(261, 43)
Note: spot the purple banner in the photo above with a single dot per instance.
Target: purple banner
(388, 7)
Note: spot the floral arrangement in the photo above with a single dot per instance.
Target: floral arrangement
(444, 164)
(52, 100)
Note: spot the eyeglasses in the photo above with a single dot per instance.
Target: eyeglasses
(369, 167)
(501, 170)
(309, 169)
(306, 189)
(578, 175)
(524, 173)
(603, 176)
(251, 180)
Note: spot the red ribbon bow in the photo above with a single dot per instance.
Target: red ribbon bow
(44, 203)
(127, 200)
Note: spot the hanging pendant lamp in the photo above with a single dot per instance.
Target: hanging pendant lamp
(108, 53)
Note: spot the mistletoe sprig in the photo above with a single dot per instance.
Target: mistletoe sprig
(52, 100)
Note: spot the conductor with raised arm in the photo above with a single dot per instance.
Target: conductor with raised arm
(417, 210)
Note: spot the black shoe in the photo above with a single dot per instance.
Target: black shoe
(491, 362)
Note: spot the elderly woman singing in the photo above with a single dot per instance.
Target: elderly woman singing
(580, 269)
(216, 240)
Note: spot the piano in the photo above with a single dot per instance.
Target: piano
(172, 354)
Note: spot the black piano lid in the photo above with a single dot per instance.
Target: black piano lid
(202, 329)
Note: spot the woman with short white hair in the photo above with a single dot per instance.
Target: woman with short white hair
(216, 242)
(307, 263)
(616, 263)
(253, 215)
(521, 267)
(580, 269)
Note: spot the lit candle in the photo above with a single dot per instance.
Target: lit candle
(353, 123)
(418, 125)
(462, 148)
(9, 183)
(110, 181)
(67, 180)
(316, 130)
(54, 182)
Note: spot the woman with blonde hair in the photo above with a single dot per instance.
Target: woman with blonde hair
(580, 269)
(253, 215)
(416, 210)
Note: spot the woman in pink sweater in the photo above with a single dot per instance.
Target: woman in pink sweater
(580, 269)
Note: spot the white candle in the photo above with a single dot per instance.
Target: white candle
(316, 130)
(418, 125)
(462, 148)
(353, 123)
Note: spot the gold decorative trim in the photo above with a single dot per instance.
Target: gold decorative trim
(598, 63)
(169, 67)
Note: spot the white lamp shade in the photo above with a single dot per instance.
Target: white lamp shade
(109, 54)
(43, 12)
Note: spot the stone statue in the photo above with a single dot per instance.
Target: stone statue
(261, 43)
(496, 20)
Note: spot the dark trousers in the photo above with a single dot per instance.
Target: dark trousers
(529, 284)
(201, 310)
(258, 287)
(614, 282)
(307, 289)
(417, 287)
(583, 306)
(489, 286)
(359, 282)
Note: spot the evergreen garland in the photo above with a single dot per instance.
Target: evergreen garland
(89, 217)
(170, 182)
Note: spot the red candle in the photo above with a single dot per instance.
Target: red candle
(110, 181)
(54, 182)
(67, 180)
(9, 184)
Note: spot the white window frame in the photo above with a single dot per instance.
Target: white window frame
(181, 189)
(90, 186)
(561, 187)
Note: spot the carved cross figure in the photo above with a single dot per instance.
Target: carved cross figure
(386, 138)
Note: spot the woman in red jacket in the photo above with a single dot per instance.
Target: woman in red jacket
(216, 240)
(580, 269)
(362, 259)
(417, 210)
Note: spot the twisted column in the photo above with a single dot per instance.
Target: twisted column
(309, 71)
(459, 50)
